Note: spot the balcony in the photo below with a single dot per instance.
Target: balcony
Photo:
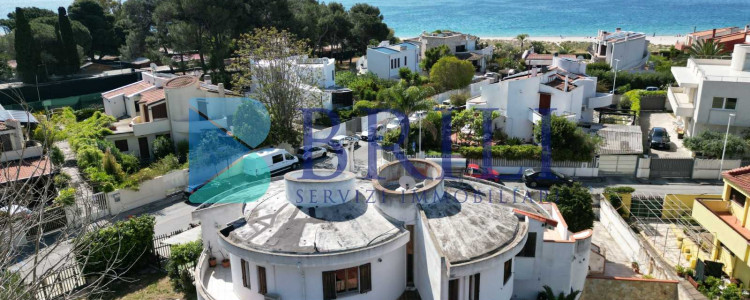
(680, 102)
(31, 149)
(146, 128)
(716, 217)
(535, 116)
(213, 283)
(600, 100)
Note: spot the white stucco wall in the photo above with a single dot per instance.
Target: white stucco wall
(291, 282)
(707, 118)
(214, 218)
(429, 263)
(630, 53)
(148, 192)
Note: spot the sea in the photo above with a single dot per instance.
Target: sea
(503, 18)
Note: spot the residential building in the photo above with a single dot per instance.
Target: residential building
(709, 90)
(717, 34)
(533, 60)
(564, 88)
(385, 60)
(290, 244)
(725, 217)
(463, 46)
(323, 70)
(21, 158)
(158, 105)
(622, 49)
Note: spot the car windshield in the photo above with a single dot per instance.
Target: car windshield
(558, 174)
(394, 122)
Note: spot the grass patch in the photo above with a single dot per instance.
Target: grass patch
(148, 286)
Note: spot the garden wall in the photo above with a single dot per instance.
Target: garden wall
(149, 191)
(709, 168)
(601, 287)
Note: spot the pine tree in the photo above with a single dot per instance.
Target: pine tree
(68, 43)
(27, 52)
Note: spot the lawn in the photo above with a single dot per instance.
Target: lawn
(146, 286)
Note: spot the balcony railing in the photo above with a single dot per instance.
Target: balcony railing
(716, 217)
(680, 102)
(146, 128)
(600, 100)
(32, 149)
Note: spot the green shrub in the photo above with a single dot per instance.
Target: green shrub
(130, 163)
(575, 205)
(61, 180)
(85, 113)
(120, 246)
(504, 151)
(89, 157)
(66, 197)
(57, 156)
(711, 144)
(598, 66)
(182, 258)
(568, 141)
(162, 147)
(111, 166)
(183, 148)
(620, 189)
(459, 99)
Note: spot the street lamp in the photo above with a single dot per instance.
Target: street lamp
(614, 81)
(723, 152)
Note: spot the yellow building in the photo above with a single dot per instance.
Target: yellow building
(727, 220)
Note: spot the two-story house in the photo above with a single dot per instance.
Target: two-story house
(158, 105)
(725, 217)
(709, 90)
(463, 46)
(385, 60)
(564, 88)
(20, 158)
(727, 37)
(621, 49)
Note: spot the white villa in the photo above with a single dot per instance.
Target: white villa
(464, 46)
(353, 238)
(709, 90)
(159, 105)
(385, 60)
(564, 88)
(622, 49)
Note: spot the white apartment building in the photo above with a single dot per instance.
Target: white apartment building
(363, 241)
(385, 60)
(564, 88)
(158, 105)
(709, 90)
(622, 49)
(463, 46)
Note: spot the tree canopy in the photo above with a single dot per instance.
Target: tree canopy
(711, 144)
(431, 56)
(568, 142)
(450, 73)
(574, 203)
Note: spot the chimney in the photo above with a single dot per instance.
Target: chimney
(747, 27)
(207, 78)
(618, 29)
(713, 35)
(565, 89)
(221, 90)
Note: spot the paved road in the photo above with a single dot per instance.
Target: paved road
(655, 187)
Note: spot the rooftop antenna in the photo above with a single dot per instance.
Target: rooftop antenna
(153, 68)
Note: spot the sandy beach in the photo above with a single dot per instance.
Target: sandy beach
(656, 40)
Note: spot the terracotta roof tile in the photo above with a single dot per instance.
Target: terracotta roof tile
(739, 177)
(559, 82)
(24, 169)
(128, 89)
(181, 81)
(152, 96)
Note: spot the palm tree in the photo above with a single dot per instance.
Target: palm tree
(706, 48)
(408, 100)
(548, 294)
(522, 38)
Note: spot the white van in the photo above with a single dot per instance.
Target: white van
(275, 160)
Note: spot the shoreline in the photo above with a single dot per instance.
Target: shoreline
(664, 40)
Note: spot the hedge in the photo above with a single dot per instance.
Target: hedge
(518, 152)
(181, 259)
(122, 246)
(634, 96)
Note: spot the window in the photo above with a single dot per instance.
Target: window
(288, 156)
(529, 249)
(453, 289)
(399, 62)
(507, 269)
(737, 197)
(277, 158)
(474, 287)
(5, 142)
(724, 103)
(349, 280)
(262, 286)
(245, 281)
(122, 145)
(405, 63)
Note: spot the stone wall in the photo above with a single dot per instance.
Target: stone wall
(604, 288)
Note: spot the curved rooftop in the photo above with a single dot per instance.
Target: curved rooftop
(181, 81)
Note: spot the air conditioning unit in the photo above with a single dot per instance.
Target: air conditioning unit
(271, 297)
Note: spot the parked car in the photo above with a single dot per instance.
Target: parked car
(365, 134)
(467, 129)
(474, 170)
(273, 160)
(658, 138)
(393, 124)
(537, 178)
(313, 153)
(652, 88)
(416, 116)
(339, 142)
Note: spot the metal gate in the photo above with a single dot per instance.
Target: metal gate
(671, 167)
(98, 208)
(617, 165)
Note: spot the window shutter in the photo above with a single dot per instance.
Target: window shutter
(329, 285)
(244, 272)
(262, 288)
(365, 284)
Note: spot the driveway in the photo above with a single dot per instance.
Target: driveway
(666, 120)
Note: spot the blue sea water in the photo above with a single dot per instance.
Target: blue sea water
(535, 17)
